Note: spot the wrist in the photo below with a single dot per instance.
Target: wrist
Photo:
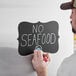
(42, 73)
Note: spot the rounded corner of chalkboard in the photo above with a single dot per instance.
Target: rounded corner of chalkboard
(21, 53)
(56, 51)
(21, 23)
(53, 52)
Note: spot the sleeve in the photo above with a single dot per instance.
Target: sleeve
(63, 69)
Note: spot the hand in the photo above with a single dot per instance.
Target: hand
(39, 63)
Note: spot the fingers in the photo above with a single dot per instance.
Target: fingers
(40, 55)
(49, 58)
(35, 55)
(46, 57)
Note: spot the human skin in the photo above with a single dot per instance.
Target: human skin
(73, 18)
(39, 64)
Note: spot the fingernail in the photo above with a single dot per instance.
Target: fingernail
(35, 50)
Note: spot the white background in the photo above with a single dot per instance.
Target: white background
(12, 12)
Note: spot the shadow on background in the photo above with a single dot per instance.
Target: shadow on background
(12, 64)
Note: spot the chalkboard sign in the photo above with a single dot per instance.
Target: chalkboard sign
(42, 35)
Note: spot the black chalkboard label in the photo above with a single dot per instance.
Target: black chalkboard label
(42, 35)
